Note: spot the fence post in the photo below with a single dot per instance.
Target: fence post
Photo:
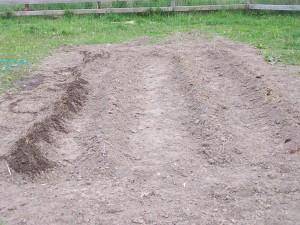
(26, 7)
(173, 4)
(249, 3)
(99, 6)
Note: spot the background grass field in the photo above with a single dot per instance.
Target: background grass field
(277, 34)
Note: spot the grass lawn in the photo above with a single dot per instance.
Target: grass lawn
(276, 34)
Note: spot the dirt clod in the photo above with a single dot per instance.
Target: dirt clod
(295, 150)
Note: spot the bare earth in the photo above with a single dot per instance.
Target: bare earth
(189, 130)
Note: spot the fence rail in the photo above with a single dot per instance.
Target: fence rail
(274, 7)
(172, 6)
(11, 2)
(251, 4)
(129, 10)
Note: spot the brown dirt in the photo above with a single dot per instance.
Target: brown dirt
(190, 130)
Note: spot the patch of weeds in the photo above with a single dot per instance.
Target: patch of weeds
(53, 29)
(31, 30)
(112, 17)
(119, 4)
(215, 22)
(88, 5)
(273, 59)
(69, 14)
(52, 17)
(66, 32)
(261, 46)
(120, 26)
(158, 11)
(148, 12)
(8, 15)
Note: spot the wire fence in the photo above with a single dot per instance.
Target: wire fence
(101, 6)
(119, 4)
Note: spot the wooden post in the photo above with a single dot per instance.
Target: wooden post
(173, 3)
(99, 6)
(249, 3)
(26, 7)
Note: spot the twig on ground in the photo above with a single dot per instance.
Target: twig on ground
(8, 168)
(109, 143)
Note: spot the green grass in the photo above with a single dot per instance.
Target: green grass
(276, 34)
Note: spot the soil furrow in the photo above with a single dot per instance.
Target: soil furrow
(189, 130)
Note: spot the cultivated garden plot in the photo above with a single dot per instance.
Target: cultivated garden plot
(189, 130)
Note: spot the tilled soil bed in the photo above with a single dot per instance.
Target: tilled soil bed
(189, 130)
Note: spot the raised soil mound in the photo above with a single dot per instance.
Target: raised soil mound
(193, 129)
